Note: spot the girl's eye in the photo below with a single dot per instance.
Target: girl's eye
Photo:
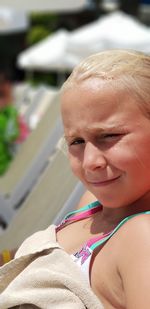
(110, 137)
(113, 135)
(77, 141)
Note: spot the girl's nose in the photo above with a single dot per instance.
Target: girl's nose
(93, 158)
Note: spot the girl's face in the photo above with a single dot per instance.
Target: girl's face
(108, 141)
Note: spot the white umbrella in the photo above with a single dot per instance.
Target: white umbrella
(44, 5)
(48, 54)
(116, 30)
(63, 50)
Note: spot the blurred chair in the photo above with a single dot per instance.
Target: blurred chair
(28, 100)
(39, 103)
(56, 193)
(22, 94)
(30, 160)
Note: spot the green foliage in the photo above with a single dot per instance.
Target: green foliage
(43, 78)
(47, 19)
(9, 132)
(36, 34)
(42, 25)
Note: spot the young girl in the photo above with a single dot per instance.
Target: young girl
(106, 116)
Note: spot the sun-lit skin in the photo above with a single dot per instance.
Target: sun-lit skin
(108, 141)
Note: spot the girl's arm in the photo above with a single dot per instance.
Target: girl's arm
(134, 263)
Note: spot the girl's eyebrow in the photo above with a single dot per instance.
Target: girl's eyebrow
(70, 136)
(110, 128)
(97, 129)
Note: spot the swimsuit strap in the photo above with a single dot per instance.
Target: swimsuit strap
(99, 240)
(81, 213)
(86, 208)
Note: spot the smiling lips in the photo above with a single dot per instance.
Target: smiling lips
(103, 183)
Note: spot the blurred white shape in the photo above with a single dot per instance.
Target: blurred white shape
(116, 30)
(63, 50)
(47, 54)
(33, 122)
(44, 5)
(12, 20)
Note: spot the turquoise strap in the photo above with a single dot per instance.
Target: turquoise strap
(100, 242)
(84, 208)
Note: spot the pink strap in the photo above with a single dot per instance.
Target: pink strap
(83, 215)
(77, 215)
(91, 241)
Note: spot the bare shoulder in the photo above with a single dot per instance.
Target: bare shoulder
(134, 261)
(136, 227)
(134, 237)
(122, 268)
(86, 199)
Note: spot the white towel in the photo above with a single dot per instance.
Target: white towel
(43, 275)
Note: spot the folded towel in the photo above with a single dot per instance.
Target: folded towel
(43, 275)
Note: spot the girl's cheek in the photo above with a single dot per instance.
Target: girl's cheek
(75, 165)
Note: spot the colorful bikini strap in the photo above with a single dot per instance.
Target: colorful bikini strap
(80, 214)
(104, 238)
(86, 209)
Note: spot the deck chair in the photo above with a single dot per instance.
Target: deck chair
(56, 192)
(40, 101)
(29, 161)
(21, 94)
(28, 99)
(33, 103)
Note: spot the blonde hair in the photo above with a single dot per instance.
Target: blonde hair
(128, 68)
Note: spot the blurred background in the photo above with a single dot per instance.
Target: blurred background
(40, 43)
(24, 24)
